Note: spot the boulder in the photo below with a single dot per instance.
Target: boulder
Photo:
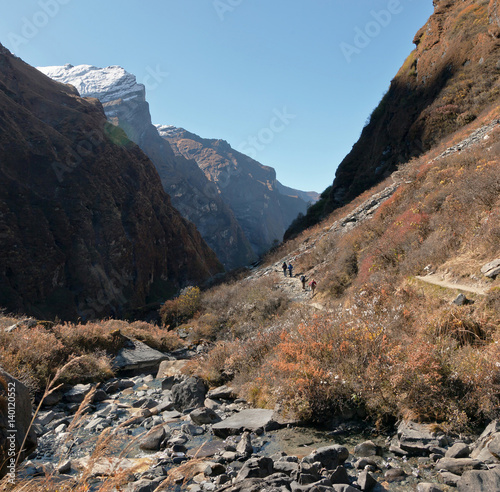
(189, 393)
(253, 420)
(429, 487)
(458, 450)
(339, 476)
(460, 300)
(204, 415)
(366, 481)
(287, 467)
(416, 439)
(494, 445)
(222, 393)
(491, 269)
(153, 439)
(78, 393)
(245, 447)
(480, 481)
(15, 420)
(322, 485)
(366, 449)
(394, 475)
(137, 356)
(170, 368)
(344, 488)
(481, 446)
(458, 466)
(329, 456)
(449, 478)
(64, 467)
(256, 468)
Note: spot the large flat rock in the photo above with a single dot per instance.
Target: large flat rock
(138, 356)
(247, 420)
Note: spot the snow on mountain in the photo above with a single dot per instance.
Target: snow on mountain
(107, 84)
(168, 130)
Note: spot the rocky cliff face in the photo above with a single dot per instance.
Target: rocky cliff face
(86, 227)
(239, 217)
(248, 187)
(450, 78)
(125, 105)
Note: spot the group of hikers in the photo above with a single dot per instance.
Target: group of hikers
(303, 279)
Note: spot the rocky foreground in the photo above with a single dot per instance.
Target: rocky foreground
(169, 432)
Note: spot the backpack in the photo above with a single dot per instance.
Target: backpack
(303, 278)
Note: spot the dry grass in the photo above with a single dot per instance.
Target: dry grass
(93, 343)
(389, 348)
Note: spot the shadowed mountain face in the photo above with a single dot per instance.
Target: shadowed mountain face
(445, 83)
(239, 217)
(248, 187)
(86, 228)
(125, 105)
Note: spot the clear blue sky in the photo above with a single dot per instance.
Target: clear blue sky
(292, 82)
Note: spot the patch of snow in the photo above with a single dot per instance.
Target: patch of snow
(106, 84)
(168, 130)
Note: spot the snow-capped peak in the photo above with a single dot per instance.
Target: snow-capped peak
(107, 84)
(168, 130)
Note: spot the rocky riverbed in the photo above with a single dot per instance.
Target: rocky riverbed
(167, 431)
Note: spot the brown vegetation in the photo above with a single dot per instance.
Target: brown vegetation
(388, 347)
(33, 355)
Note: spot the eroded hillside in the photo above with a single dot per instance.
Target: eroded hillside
(376, 338)
(450, 78)
(87, 229)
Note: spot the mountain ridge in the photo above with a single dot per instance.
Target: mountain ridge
(443, 85)
(87, 229)
(223, 221)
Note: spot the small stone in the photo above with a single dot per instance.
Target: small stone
(458, 450)
(394, 475)
(491, 269)
(245, 447)
(428, 487)
(460, 300)
(366, 481)
(64, 467)
(365, 449)
(204, 415)
(153, 439)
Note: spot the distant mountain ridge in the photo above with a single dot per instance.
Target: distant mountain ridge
(232, 224)
(87, 229)
(263, 206)
(125, 105)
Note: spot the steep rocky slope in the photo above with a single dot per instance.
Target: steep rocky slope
(263, 206)
(445, 83)
(86, 228)
(125, 105)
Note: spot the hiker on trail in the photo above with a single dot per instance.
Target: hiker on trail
(312, 284)
(284, 268)
(303, 280)
(290, 268)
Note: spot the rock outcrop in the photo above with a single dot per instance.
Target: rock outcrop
(125, 105)
(262, 206)
(87, 229)
(444, 84)
(235, 202)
